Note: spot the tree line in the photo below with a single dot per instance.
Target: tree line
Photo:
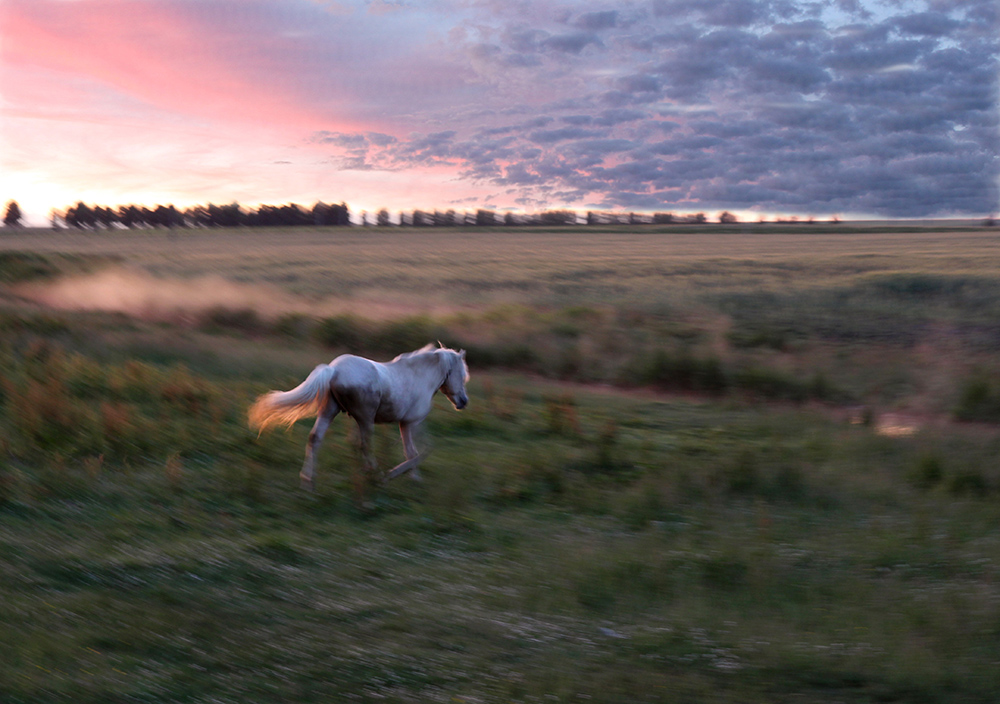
(83, 216)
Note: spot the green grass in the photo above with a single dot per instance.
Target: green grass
(713, 527)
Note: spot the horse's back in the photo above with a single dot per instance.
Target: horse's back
(356, 371)
(358, 384)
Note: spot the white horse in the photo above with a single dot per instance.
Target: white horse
(400, 391)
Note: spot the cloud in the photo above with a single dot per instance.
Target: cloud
(571, 43)
(596, 21)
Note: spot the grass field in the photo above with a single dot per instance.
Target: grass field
(699, 465)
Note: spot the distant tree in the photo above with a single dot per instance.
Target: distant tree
(445, 219)
(129, 216)
(663, 218)
(12, 218)
(557, 217)
(81, 216)
(421, 219)
(700, 218)
(343, 214)
(485, 218)
(321, 213)
(161, 216)
(727, 218)
(294, 214)
(382, 218)
(226, 215)
(105, 217)
(196, 216)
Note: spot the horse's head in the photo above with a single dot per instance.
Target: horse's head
(456, 374)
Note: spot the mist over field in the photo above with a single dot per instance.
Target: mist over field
(145, 296)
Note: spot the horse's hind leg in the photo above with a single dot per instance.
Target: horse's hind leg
(323, 420)
(364, 480)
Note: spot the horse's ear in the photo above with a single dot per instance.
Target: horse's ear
(440, 345)
(462, 353)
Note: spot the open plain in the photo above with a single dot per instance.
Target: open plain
(699, 464)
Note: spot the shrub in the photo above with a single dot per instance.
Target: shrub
(742, 476)
(403, 335)
(788, 483)
(683, 371)
(725, 573)
(928, 472)
(509, 355)
(560, 415)
(295, 325)
(242, 320)
(527, 479)
(979, 401)
(770, 383)
(968, 482)
(340, 331)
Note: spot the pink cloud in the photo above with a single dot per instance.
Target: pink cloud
(154, 52)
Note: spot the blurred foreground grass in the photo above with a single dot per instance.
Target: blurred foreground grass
(569, 542)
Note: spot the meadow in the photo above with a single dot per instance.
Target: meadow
(699, 464)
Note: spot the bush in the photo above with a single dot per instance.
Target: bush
(404, 335)
(928, 472)
(294, 325)
(969, 482)
(770, 383)
(340, 331)
(683, 371)
(509, 355)
(243, 320)
(979, 401)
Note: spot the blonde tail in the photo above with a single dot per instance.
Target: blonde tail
(286, 407)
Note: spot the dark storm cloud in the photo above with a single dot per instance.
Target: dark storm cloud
(571, 43)
(560, 134)
(930, 24)
(596, 21)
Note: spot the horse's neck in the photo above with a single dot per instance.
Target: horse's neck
(424, 366)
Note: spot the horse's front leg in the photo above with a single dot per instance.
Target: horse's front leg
(323, 420)
(408, 433)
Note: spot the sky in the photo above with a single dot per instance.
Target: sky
(853, 108)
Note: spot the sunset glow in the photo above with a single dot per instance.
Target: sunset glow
(854, 108)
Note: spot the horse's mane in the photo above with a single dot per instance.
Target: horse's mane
(429, 347)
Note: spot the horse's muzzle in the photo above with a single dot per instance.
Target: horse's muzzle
(461, 402)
